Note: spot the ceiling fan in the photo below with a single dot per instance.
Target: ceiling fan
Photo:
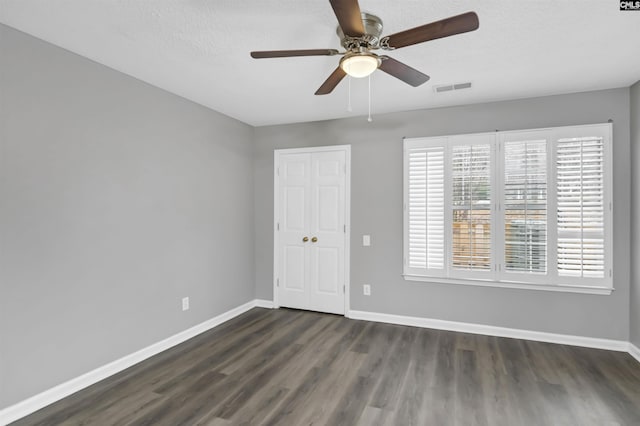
(360, 34)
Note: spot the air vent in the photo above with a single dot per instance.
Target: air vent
(450, 87)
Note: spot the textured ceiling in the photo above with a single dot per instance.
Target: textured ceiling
(200, 50)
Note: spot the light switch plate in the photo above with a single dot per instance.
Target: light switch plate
(366, 240)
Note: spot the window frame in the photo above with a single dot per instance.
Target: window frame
(498, 276)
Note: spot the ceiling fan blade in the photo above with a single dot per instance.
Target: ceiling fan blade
(349, 17)
(288, 53)
(403, 72)
(447, 27)
(331, 82)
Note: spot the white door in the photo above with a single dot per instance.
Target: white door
(311, 229)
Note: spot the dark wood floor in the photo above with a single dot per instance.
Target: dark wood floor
(286, 367)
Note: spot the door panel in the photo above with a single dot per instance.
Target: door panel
(294, 206)
(312, 205)
(294, 274)
(296, 166)
(327, 262)
(328, 203)
(327, 225)
(294, 199)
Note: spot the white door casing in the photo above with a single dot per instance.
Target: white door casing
(311, 268)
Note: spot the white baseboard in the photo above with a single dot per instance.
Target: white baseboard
(41, 400)
(589, 342)
(634, 351)
(262, 303)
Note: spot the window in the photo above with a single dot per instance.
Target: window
(524, 209)
(470, 207)
(525, 205)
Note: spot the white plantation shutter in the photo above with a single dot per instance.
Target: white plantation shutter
(471, 207)
(523, 209)
(525, 206)
(581, 204)
(425, 208)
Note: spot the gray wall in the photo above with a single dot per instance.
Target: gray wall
(116, 200)
(634, 317)
(376, 209)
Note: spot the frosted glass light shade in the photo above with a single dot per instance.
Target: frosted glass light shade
(360, 64)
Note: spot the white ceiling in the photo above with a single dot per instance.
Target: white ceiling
(199, 49)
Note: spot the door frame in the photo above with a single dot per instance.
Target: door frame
(347, 214)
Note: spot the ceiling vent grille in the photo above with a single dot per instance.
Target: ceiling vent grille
(451, 87)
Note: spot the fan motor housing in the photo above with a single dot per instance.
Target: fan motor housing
(370, 39)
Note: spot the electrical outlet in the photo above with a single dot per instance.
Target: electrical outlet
(366, 289)
(185, 303)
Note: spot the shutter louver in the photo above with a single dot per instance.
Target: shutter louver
(426, 208)
(471, 210)
(525, 206)
(580, 214)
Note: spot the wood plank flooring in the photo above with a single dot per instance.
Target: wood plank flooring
(287, 367)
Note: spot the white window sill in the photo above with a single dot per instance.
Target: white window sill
(502, 284)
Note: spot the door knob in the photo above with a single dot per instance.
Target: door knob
(314, 240)
(305, 239)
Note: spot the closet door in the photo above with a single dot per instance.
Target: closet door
(293, 230)
(311, 229)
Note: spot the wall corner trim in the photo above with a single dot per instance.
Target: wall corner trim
(262, 303)
(488, 330)
(56, 393)
(634, 351)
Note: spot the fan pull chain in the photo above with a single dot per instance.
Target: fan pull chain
(349, 99)
(369, 119)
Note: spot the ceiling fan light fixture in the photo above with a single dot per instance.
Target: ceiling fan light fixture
(359, 65)
(360, 33)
